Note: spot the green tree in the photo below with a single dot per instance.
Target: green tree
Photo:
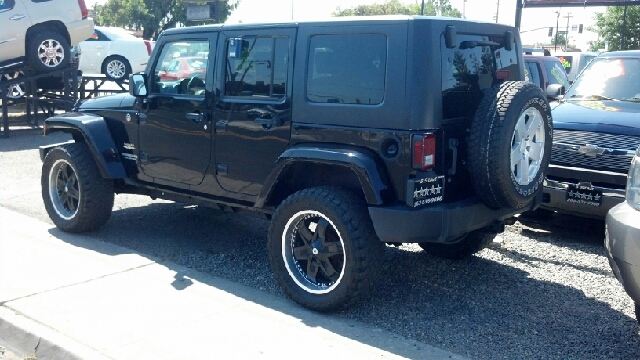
(395, 7)
(151, 16)
(609, 28)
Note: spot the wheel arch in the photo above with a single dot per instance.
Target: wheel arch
(306, 166)
(53, 25)
(93, 130)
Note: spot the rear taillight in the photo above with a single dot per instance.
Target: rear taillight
(146, 42)
(83, 9)
(424, 151)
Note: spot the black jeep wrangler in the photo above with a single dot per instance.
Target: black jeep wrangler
(347, 134)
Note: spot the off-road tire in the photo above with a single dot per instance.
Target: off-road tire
(116, 68)
(76, 196)
(343, 216)
(502, 118)
(45, 43)
(468, 245)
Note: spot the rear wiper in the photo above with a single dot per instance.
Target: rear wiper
(467, 44)
(592, 97)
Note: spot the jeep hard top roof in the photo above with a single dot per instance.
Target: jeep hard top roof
(464, 24)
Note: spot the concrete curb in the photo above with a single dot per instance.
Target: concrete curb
(24, 337)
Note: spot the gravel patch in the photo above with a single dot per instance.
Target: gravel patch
(538, 292)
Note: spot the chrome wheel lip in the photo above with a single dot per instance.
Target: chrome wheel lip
(51, 53)
(55, 190)
(116, 69)
(296, 274)
(527, 146)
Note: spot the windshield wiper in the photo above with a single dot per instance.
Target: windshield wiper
(592, 97)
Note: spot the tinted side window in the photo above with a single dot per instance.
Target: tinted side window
(477, 62)
(179, 71)
(347, 69)
(556, 74)
(7, 5)
(257, 67)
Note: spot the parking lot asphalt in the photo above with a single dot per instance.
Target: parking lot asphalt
(543, 291)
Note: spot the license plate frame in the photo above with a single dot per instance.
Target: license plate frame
(428, 191)
(583, 195)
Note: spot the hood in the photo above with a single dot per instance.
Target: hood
(615, 117)
(116, 101)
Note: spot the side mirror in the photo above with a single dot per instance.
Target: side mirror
(555, 91)
(137, 85)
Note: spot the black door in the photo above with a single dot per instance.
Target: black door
(176, 133)
(253, 114)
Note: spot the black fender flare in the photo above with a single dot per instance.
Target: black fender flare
(374, 183)
(93, 129)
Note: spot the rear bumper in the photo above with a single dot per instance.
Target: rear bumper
(556, 194)
(439, 223)
(80, 30)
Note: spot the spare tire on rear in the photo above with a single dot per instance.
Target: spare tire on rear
(509, 145)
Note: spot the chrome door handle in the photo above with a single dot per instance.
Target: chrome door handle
(195, 117)
(17, 17)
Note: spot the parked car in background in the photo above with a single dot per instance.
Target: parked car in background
(545, 71)
(596, 131)
(40, 33)
(574, 62)
(115, 53)
(184, 68)
(622, 236)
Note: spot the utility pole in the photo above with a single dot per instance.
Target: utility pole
(555, 42)
(566, 36)
(497, 11)
(464, 5)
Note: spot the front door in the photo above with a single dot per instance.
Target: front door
(253, 114)
(175, 128)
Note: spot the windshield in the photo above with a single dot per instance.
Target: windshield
(608, 78)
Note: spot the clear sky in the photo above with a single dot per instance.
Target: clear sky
(484, 10)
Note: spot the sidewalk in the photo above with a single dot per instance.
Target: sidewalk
(66, 296)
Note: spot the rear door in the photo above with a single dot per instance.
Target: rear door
(253, 112)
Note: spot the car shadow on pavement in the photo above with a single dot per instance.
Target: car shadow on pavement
(477, 307)
(565, 230)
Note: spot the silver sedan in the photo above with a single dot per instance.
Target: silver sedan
(622, 236)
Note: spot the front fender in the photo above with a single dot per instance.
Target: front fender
(94, 131)
(373, 182)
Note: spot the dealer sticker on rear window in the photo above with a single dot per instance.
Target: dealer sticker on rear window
(428, 191)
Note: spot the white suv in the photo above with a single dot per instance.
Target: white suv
(40, 33)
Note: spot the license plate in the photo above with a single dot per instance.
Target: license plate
(584, 195)
(428, 191)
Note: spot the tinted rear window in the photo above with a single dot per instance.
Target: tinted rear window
(347, 69)
(473, 65)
